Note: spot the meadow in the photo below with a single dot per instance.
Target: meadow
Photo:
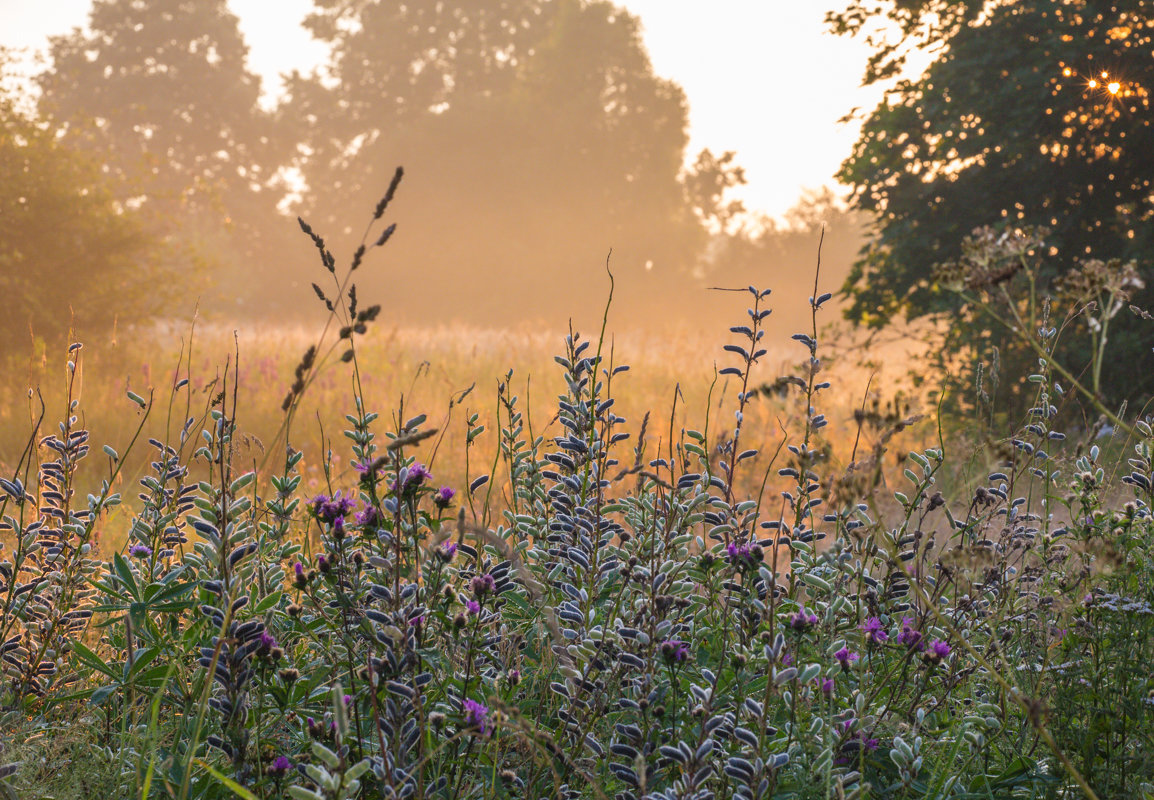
(375, 562)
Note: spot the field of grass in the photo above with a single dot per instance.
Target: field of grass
(738, 569)
(447, 373)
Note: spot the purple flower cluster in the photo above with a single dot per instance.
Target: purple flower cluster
(140, 551)
(910, 636)
(482, 585)
(411, 478)
(875, 631)
(443, 497)
(476, 716)
(674, 651)
(330, 509)
(938, 651)
(744, 555)
(803, 620)
(845, 657)
(368, 517)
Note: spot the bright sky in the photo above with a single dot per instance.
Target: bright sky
(762, 76)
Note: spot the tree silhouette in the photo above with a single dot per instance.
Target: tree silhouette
(70, 255)
(537, 136)
(1034, 112)
(160, 89)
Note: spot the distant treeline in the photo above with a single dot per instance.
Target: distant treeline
(535, 134)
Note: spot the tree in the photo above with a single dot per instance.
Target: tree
(537, 138)
(71, 256)
(1033, 113)
(160, 89)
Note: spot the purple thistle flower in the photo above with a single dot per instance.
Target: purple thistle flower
(140, 551)
(826, 685)
(674, 651)
(744, 555)
(279, 766)
(874, 630)
(443, 497)
(473, 607)
(446, 551)
(909, 636)
(367, 517)
(938, 651)
(267, 642)
(476, 716)
(845, 657)
(802, 620)
(330, 509)
(482, 585)
(410, 479)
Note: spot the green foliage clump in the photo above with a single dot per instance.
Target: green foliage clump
(70, 254)
(1030, 115)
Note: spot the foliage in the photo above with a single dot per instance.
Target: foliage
(546, 118)
(162, 92)
(59, 219)
(615, 619)
(165, 80)
(1031, 114)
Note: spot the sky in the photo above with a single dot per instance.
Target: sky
(762, 77)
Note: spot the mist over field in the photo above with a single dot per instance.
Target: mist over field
(449, 421)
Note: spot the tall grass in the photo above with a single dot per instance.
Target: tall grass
(577, 581)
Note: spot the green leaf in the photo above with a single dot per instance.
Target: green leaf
(269, 602)
(143, 659)
(331, 759)
(91, 660)
(101, 694)
(124, 572)
(229, 783)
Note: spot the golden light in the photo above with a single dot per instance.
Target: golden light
(1093, 84)
(1067, 72)
(1105, 74)
(1113, 87)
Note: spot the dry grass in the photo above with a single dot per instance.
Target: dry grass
(419, 370)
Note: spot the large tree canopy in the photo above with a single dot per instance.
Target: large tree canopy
(70, 255)
(1033, 112)
(160, 89)
(536, 135)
